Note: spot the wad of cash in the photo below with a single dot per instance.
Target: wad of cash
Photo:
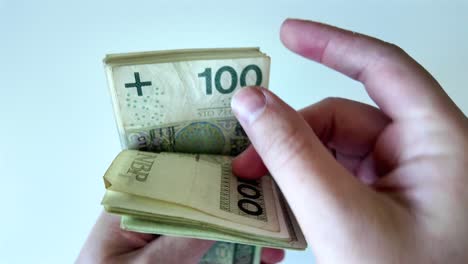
(179, 136)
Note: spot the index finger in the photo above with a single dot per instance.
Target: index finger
(398, 84)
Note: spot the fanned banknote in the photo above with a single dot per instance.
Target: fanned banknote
(171, 103)
(196, 195)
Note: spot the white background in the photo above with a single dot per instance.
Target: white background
(58, 134)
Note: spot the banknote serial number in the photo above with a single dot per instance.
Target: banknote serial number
(215, 112)
(207, 74)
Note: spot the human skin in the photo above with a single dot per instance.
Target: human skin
(394, 192)
(107, 243)
(396, 188)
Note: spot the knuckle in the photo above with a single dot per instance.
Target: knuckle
(331, 101)
(392, 52)
(395, 49)
(392, 61)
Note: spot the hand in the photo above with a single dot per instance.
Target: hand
(396, 190)
(107, 243)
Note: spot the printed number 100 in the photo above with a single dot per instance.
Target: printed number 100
(233, 74)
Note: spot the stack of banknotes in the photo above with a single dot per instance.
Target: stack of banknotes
(179, 136)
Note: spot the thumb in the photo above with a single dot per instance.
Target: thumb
(323, 195)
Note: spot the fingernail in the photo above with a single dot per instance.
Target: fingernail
(248, 104)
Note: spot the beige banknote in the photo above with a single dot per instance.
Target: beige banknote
(179, 101)
(197, 195)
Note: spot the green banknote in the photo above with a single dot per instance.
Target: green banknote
(179, 102)
(214, 136)
(227, 253)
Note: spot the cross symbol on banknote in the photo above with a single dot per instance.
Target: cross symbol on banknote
(137, 84)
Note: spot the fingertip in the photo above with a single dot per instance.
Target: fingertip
(248, 104)
(249, 165)
(272, 255)
(285, 35)
(291, 22)
(304, 37)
